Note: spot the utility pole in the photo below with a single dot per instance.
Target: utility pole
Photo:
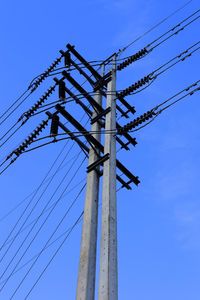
(108, 277)
(100, 155)
(87, 261)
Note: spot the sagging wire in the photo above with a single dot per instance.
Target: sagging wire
(121, 130)
(28, 225)
(29, 113)
(143, 52)
(54, 255)
(43, 223)
(154, 27)
(153, 113)
(32, 87)
(153, 75)
(49, 239)
(25, 144)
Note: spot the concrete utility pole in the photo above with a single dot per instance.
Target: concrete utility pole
(87, 262)
(99, 155)
(108, 275)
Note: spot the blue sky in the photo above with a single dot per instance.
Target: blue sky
(159, 221)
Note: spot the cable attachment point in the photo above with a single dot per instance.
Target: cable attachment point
(67, 58)
(134, 86)
(132, 58)
(143, 118)
(29, 139)
(37, 105)
(45, 74)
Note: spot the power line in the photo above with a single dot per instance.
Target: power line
(41, 226)
(23, 200)
(22, 146)
(29, 203)
(153, 113)
(154, 27)
(144, 52)
(174, 33)
(13, 104)
(15, 109)
(33, 208)
(81, 134)
(10, 134)
(152, 76)
(181, 59)
(49, 239)
(29, 112)
(55, 253)
(31, 259)
(27, 226)
(84, 114)
(72, 228)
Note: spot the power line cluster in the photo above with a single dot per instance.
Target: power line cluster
(81, 136)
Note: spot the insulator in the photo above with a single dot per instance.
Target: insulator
(62, 90)
(26, 114)
(36, 106)
(46, 73)
(129, 90)
(136, 86)
(137, 55)
(54, 125)
(34, 135)
(139, 120)
(144, 115)
(126, 90)
(40, 101)
(67, 59)
(131, 59)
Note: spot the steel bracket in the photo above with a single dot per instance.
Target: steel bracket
(98, 162)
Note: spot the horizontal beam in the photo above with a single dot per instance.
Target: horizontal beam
(82, 91)
(86, 109)
(96, 143)
(98, 162)
(100, 115)
(85, 63)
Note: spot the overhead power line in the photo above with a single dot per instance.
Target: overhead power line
(82, 134)
(30, 213)
(12, 111)
(31, 259)
(153, 75)
(79, 134)
(27, 197)
(54, 255)
(28, 225)
(84, 114)
(145, 51)
(154, 27)
(173, 30)
(30, 202)
(43, 223)
(49, 239)
(153, 113)
(32, 87)
(13, 104)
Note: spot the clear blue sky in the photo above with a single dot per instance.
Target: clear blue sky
(159, 221)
